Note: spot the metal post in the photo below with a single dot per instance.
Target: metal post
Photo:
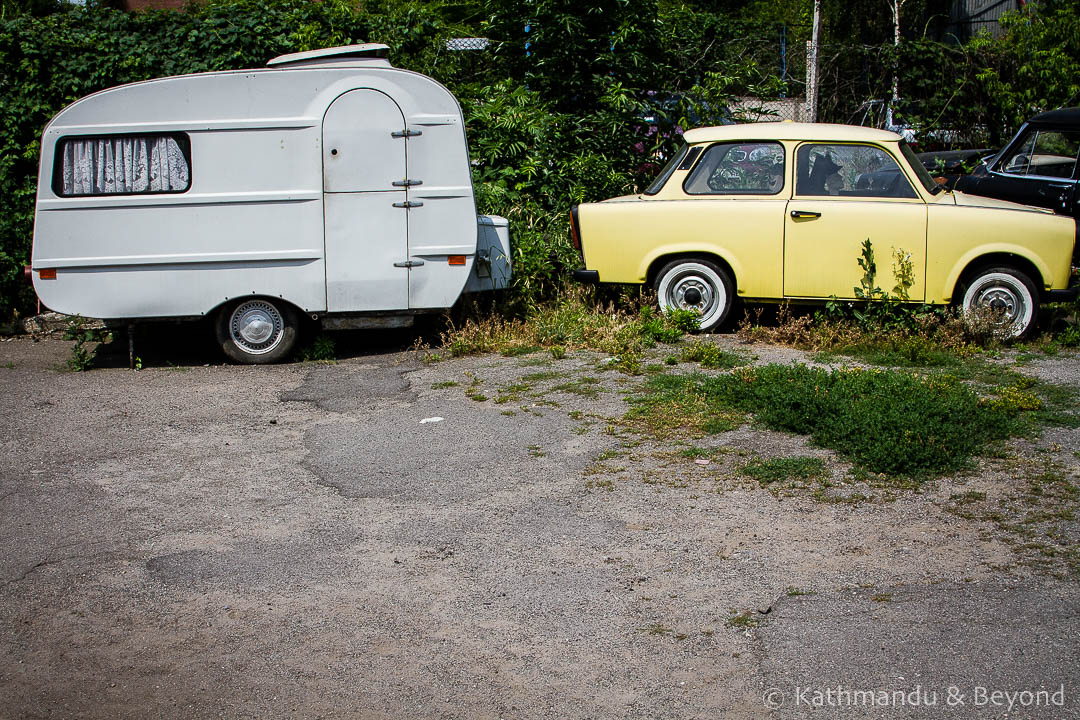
(812, 66)
(131, 346)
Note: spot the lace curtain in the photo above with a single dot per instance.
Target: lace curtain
(124, 165)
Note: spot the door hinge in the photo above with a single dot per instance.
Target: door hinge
(407, 183)
(409, 263)
(409, 204)
(407, 133)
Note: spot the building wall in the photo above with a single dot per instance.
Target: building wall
(970, 17)
(155, 4)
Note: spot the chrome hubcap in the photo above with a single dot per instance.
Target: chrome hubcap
(692, 293)
(1002, 301)
(256, 327)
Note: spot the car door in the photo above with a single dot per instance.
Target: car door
(847, 193)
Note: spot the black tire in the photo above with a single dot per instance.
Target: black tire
(1008, 293)
(696, 284)
(257, 330)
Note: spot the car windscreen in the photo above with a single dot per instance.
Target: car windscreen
(920, 170)
(662, 178)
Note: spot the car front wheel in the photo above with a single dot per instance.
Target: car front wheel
(1007, 298)
(257, 331)
(698, 285)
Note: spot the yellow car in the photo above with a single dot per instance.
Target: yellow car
(778, 211)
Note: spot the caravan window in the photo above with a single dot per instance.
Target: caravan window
(122, 165)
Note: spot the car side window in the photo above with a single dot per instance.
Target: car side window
(1045, 153)
(850, 171)
(748, 168)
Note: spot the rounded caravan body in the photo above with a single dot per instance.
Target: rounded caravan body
(330, 184)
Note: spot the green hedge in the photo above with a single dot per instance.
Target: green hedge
(546, 130)
(560, 124)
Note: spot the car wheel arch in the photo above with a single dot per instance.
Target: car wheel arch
(659, 262)
(997, 259)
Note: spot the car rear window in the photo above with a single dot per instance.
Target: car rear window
(662, 178)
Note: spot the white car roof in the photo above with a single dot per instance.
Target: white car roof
(786, 130)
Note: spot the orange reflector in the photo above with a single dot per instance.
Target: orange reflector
(47, 273)
(456, 259)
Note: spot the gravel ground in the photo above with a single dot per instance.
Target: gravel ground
(197, 541)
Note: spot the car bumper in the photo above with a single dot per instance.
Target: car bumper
(591, 277)
(1061, 296)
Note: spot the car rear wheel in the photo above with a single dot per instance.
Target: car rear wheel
(257, 331)
(1005, 297)
(698, 285)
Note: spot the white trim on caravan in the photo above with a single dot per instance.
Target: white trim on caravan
(330, 184)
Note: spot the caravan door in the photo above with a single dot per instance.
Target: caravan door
(367, 249)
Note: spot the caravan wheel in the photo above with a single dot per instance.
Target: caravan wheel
(258, 331)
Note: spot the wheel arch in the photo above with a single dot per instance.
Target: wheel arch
(996, 259)
(660, 261)
(300, 312)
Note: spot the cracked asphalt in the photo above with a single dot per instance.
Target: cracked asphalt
(197, 540)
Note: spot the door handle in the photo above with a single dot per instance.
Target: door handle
(409, 264)
(409, 204)
(801, 214)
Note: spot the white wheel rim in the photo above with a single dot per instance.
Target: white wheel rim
(256, 327)
(694, 287)
(1006, 297)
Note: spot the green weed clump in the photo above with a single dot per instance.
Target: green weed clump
(710, 355)
(885, 421)
(320, 350)
(574, 321)
(778, 470)
(87, 342)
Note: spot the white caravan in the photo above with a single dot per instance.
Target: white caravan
(330, 184)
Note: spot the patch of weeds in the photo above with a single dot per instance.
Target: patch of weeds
(575, 414)
(671, 405)
(320, 350)
(580, 429)
(519, 350)
(607, 455)
(745, 619)
(793, 591)
(886, 421)
(558, 352)
(900, 350)
(444, 384)
(710, 355)
(584, 386)
(783, 470)
(511, 392)
(653, 369)
(696, 453)
(87, 342)
(542, 375)
(671, 360)
(476, 396)
(600, 483)
(1059, 405)
(881, 597)
(656, 628)
(9, 365)
(537, 451)
(822, 495)
(508, 413)
(1039, 516)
